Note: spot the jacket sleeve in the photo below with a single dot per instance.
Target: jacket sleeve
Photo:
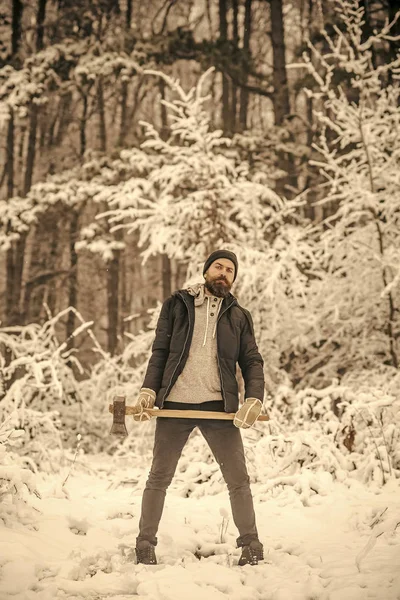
(160, 348)
(250, 361)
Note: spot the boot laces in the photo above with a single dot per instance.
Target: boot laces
(146, 555)
(251, 555)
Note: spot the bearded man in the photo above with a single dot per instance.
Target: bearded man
(201, 335)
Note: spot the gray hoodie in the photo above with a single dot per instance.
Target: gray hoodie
(200, 380)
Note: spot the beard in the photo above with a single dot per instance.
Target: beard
(218, 287)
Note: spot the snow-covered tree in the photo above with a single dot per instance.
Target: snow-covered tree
(354, 307)
(199, 196)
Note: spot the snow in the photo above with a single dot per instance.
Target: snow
(78, 540)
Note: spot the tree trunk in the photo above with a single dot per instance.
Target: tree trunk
(125, 84)
(124, 114)
(312, 211)
(124, 308)
(236, 45)
(244, 94)
(101, 107)
(113, 302)
(394, 9)
(64, 117)
(17, 273)
(288, 184)
(102, 116)
(21, 145)
(113, 271)
(31, 152)
(114, 267)
(43, 272)
(19, 255)
(39, 267)
(53, 118)
(281, 90)
(13, 267)
(82, 125)
(128, 16)
(73, 276)
(19, 249)
(166, 276)
(165, 260)
(164, 133)
(11, 301)
(41, 14)
(223, 36)
(43, 126)
(16, 33)
(10, 155)
(51, 291)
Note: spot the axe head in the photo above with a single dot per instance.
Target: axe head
(118, 425)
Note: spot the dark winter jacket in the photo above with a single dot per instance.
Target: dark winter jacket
(235, 343)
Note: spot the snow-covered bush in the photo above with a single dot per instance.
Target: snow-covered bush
(52, 397)
(17, 475)
(345, 427)
(36, 383)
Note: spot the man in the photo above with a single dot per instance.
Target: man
(201, 334)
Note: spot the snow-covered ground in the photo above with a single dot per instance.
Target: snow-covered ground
(77, 540)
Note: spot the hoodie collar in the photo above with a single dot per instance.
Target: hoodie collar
(197, 291)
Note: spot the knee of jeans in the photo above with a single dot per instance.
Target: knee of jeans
(159, 480)
(235, 484)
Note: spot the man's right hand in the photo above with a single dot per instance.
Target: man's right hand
(146, 399)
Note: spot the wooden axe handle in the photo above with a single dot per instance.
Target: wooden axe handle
(185, 414)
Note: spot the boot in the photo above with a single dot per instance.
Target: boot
(145, 553)
(251, 553)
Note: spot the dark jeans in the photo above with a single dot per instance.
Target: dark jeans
(225, 442)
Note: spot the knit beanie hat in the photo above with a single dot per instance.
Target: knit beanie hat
(221, 254)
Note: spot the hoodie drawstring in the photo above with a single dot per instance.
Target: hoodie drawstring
(206, 331)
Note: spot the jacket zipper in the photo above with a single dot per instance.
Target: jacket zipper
(167, 390)
(219, 367)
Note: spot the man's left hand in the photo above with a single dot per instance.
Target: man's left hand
(248, 413)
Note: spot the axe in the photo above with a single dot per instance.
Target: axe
(119, 410)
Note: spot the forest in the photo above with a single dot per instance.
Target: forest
(91, 106)
(135, 139)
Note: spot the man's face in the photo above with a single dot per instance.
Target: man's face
(219, 277)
